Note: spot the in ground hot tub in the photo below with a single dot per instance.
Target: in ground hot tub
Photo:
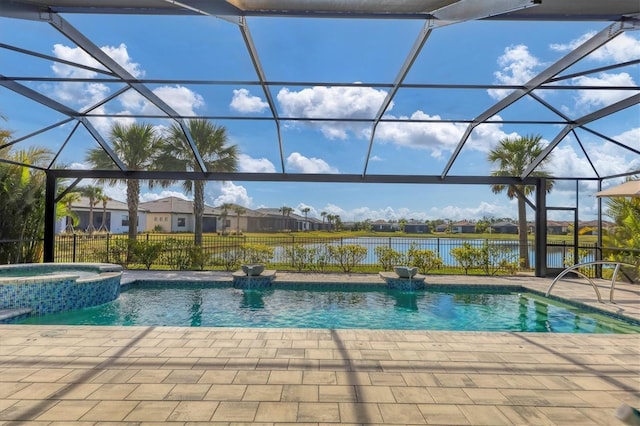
(44, 288)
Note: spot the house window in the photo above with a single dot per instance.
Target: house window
(181, 222)
(155, 219)
(125, 220)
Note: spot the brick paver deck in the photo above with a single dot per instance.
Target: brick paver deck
(67, 375)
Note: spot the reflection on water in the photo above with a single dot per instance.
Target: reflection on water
(252, 299)
(406, 300)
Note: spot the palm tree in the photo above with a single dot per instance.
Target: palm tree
(306, 211)
(286, 211)
(223, 216)
(136, 145)
(329, 219)
(67, 200)
(513, 156)
(103, 225)
(323, 214)
(211, 142)
(93, 193)
(238, 210)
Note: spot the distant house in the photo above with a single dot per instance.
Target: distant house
(504, 228)
(115, 213)
(463, 227)
(442, 227)
(557, 228)
(173, 214)
(385, 226)
(415, 227)
(272, 220)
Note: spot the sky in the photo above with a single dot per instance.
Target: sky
(313, 53)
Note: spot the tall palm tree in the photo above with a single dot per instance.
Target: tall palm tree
(323, 215)
(136, 145)
(223, 216)
(212, 144)
(513, 156)
(306, 211)
(238, 210)
(104, 199)
(93, 193)
(286, 211)
(72, 219)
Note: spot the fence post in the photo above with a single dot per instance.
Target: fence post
(73, 255)
(108, 234)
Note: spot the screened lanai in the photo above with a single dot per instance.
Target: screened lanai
(414, 104)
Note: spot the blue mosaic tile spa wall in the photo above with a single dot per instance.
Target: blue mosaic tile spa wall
(58, 295)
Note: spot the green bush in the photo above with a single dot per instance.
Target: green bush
(493, 257)
(423, 259)
(299, 256)
(466, 256)
(147, 252)
(347, 256)
(257, 253)
(388, 257)
(230, 259)
(177, 254)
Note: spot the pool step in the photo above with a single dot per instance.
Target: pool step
(6, 315)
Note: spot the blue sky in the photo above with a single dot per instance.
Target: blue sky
(348, 51)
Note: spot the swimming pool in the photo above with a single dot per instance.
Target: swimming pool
(460, 309)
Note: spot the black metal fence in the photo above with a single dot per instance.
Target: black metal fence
(176, 251)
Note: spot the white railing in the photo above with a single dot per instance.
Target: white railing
(575, 269)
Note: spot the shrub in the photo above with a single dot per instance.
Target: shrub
(147, 252)
(493, 257)
(423, 259)
(257, 253)
(198, 258)
(299, 256)
(388, 257)
(347, 256)
(177, 253)
(466, 256)
(230, 259)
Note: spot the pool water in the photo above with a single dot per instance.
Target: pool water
(459, 310)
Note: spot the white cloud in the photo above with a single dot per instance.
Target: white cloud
(517, 66)
(622, 48)
(227, 192)
(302, 164)
(82, 95)
(244, 102)
(151, 196)
(438, 137)
(182, 99)
(334, 102)
(599, 98)
(254, 165)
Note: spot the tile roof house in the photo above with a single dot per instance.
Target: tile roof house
(114, 212)
(173, 214)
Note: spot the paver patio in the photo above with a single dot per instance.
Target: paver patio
(67, 375)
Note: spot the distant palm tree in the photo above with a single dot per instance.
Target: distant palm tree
(72, 220)
(223, 216)
(323, 215)
(103, 225)
(513, 156)
(212, 143)
(93, 193)
(136, 145)
(238, 210)
(306, 211)
(330, 218)
(286, 211)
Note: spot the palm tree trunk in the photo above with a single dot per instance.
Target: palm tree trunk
(522, 226)
(133, 197)
(198, 210)
(90, 228)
